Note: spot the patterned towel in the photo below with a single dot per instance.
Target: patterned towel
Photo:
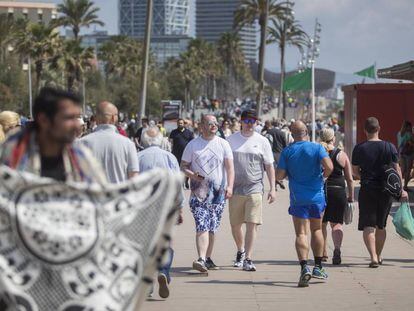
(79, 247)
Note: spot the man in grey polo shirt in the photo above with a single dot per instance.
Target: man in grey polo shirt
(252, 155)
(116, 153)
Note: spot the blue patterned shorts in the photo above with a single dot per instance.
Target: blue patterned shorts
(207, 216)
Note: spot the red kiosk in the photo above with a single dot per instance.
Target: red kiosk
(390, 103)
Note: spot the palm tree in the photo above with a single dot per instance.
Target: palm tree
(7, 28)
(229, 50)
(285, 33)
(77, 14)
(74, 61)
(39, 42)
(122, 56)
(248, 12)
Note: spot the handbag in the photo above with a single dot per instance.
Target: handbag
(404, 222)
(349, 213)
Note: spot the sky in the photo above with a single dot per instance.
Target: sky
(355, 33)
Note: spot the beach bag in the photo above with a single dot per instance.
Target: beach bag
(404, 222)
(349, 213)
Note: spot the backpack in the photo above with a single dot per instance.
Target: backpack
(392, 183)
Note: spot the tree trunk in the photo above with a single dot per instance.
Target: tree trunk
(260, 75)
(39, 70)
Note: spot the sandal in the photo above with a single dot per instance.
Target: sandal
(374, 264)
(324, 258)
(380, 261)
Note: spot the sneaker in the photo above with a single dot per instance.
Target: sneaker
(336, 259)
(319, 273)
(239, 259)
(305, 276)
(248, 265)
(163, 289)
(200, 265)
(210, 265)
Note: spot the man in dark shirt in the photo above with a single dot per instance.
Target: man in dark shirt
(179, 139)
(138, 134)
(368, 160)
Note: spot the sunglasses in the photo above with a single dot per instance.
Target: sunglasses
(249, 121)
(212, 123)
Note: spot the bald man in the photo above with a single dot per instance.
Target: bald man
(116, 153)
(306, 164)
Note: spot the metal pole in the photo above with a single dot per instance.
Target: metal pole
(262, 52)
(313, 103)
(30, 88)
(144, 73)
(84, 95)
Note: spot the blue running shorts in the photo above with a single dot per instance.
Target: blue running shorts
(307, 211)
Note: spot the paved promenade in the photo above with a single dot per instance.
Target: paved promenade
(351, 286)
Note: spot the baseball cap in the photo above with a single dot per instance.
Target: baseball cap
(249, 114)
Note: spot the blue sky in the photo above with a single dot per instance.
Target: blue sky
(355, 33)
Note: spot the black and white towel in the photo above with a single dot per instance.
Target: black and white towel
(76, 247)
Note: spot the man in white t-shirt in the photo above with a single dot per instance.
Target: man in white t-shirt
(252, 156)
(208, 162)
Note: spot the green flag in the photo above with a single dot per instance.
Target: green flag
(299, 82)
(367, 72)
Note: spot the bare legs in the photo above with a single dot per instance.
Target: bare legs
(337, 236)
(374, 241)
(245, 242)
(301, 242)
(205, 244)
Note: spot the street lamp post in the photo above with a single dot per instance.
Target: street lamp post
(28, 67)
(145, 62)
(313, 53)
(287, 19)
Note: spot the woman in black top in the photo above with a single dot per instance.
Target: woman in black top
(336, 194)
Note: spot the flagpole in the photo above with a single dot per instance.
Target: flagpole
(313, 103)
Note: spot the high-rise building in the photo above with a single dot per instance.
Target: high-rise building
(170, 27)
(34, 11)
(215, 17)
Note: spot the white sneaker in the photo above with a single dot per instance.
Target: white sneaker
(248, 265)
(239, 259)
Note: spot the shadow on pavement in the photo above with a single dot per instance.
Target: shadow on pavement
(278, 262)
(250, 283)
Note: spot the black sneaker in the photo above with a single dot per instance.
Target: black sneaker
(200, 265)
(211, 265)
(239, 259)
(336, 259)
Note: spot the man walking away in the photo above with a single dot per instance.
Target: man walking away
(368, 160)
(153, 156)
(279, 140)
(302, 162)
(138, 134)
(116, 153)
(252, 156)
(208, 162)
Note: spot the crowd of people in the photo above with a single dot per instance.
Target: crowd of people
(221, 161)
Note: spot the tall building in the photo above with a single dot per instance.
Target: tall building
(34, 11)
(170, 28)
(215, 17)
